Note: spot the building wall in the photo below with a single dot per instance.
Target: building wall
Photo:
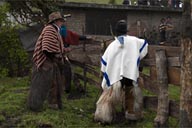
(77, 20)
(97, 18)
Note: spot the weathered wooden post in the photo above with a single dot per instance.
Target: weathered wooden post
(85, 77)
(161, 120)
(186, 84)
(186, 67)
(84, 64)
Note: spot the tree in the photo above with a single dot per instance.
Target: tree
(27, 12)
(13, 58)
(186, 68)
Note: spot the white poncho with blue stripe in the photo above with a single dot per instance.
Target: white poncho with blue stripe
(122, 58)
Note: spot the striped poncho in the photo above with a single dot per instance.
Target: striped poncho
(50, 40)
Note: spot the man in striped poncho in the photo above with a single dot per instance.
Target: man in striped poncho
(48, 55)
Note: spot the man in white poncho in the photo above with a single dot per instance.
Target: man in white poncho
(120, 62)
(122, 57)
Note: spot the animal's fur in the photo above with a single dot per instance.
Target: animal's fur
(138, 102)
(134, 112)
(105, 108)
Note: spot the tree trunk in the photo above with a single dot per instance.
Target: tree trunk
(161, 119)
(186, 84)
(186, 68)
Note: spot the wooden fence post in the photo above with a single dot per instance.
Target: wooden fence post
(161, 120)
(85, 77)
(186, 84)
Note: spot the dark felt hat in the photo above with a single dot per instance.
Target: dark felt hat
(121, 26)
(56, 16)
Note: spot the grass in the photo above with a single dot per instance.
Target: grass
(76, 112)
(93, 1)
(174, 92)
(97, 1)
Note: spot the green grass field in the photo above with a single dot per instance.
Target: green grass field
(76, 112)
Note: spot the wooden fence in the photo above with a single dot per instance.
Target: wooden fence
(164, 65)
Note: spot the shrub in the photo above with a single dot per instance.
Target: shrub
(14, 59)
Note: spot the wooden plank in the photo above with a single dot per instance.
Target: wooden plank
(170, 51)
(89, 68)
(151, 102)
(148, 62)
(173, 75)
(91, 81)
(94, 72)
(172, 62)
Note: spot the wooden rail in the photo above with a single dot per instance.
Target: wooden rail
(151, 81)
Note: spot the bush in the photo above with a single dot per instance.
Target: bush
(14, 59)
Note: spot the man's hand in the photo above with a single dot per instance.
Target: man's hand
(58, 56)
(91, 38)
(67, 50)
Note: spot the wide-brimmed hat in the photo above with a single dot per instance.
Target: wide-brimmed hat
(56, 16)
(121, 26)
